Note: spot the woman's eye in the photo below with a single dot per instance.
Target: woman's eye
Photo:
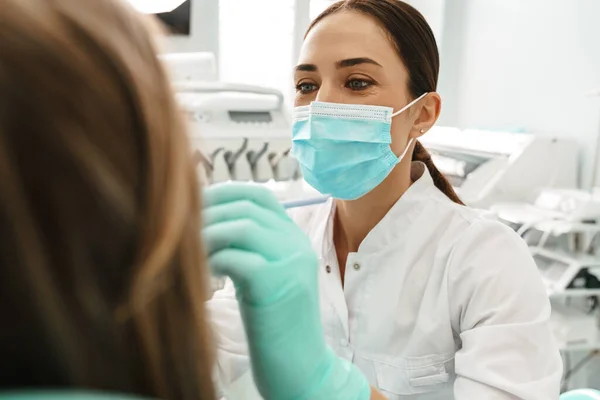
(358, 84)
(306, 87)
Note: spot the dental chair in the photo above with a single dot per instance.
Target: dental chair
(581, 394)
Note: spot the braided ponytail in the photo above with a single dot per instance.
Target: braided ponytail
(421, 154)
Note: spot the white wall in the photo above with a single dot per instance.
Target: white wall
(433, 11)
(524, 65)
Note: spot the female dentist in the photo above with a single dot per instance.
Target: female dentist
(419, 296)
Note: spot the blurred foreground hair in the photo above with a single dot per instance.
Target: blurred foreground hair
(102, 275)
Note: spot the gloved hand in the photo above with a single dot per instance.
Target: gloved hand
(581, 394)
(270, 260)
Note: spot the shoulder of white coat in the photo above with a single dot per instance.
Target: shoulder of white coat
(481, 231)
(454, 223)
(471, 238)
(486, 243)
(493, 279)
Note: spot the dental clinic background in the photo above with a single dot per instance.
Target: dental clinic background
(519, 66)
(300, 199)
(505, 64)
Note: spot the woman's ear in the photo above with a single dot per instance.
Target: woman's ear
(427, 113)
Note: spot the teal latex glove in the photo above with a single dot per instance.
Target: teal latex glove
(581, 394)
(270, 260)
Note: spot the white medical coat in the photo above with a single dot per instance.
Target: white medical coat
(438, 303)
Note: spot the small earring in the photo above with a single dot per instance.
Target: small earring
(422, 130)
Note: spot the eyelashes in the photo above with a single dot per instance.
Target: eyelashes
(355, 84)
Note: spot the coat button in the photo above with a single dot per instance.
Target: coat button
(357, 266)
(328, 269)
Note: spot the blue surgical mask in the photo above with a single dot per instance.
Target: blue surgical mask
(344, 149)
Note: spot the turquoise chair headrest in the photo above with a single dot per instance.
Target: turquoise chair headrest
(63, 395)
(581, 394)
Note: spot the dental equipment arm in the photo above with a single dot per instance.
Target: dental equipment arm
(250, 238)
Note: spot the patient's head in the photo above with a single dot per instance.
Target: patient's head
(102, 278)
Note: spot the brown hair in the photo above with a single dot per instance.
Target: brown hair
(417, 48)
(102, 275)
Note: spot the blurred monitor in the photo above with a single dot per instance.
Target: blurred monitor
(178, 21)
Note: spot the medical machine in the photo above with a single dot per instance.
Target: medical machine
(570, 205)
(191, 67)
(561, 271)
(573, 285)
(238, 132)
(565, 218)
(490, 167)
(242, 133)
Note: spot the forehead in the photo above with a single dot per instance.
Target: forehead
(347, 34)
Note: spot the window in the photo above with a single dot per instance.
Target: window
(255, 43)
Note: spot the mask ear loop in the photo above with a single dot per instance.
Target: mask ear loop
(410, 142)
(409, 105)
(406, 107)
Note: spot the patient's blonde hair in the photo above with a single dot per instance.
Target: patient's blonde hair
(102, 274)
